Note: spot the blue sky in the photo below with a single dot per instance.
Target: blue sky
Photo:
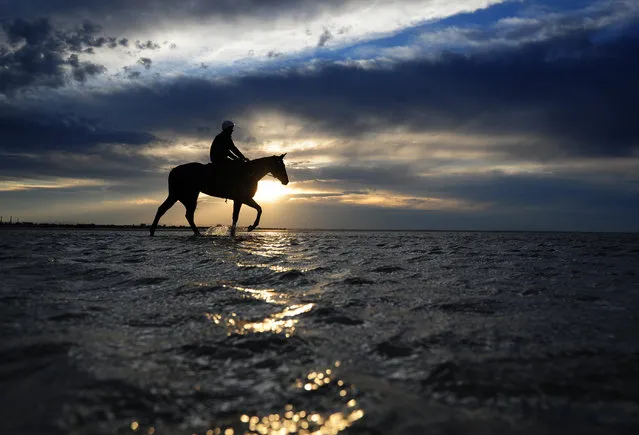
(402, 114)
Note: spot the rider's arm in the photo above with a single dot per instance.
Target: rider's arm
(236, 152)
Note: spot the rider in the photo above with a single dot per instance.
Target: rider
(223, 150)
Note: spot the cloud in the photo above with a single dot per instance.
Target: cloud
(83, 70)
(526, 92)
(526, 105)
(145, 62)
(384, 199)
(148, 45)
(223, 9)
(536, 116)
(510, 24)
(324, 38)
(37, 131)
(131, 74)
(288, 27)
(46, 183)
(38, 55)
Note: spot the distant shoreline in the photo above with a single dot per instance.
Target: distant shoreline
(141, 227)
(146, 227)
(30, 226)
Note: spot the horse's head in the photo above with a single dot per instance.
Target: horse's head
(278, 170)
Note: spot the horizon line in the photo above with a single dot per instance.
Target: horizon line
(145, 226)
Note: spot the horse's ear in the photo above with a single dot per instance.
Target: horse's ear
(282, 156)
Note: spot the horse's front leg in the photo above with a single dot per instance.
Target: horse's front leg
(190, 203)
(251, 203)
(237, 204)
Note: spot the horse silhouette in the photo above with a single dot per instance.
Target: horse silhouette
(188, 180)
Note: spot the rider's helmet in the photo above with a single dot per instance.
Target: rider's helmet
(227, 124)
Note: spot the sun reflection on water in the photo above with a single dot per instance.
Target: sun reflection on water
(274, 268)
(346, 411)
(342, 409)
(279, 323)
(269, 296)
(305, 422)
(267, 247)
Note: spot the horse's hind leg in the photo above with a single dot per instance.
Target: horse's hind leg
(190, 203)
(251, 203)
(167, 204)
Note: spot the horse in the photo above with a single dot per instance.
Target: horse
(188, 180)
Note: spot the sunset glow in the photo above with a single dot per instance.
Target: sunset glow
(391, 114)
(270, 191)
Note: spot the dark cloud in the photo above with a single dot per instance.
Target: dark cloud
(535, 191)
(131, 73)
(33, 33)
(148, 45)
(34, 55)
(494, 192)
(324, 38)
(230, 9)
(500, 201)
(83, 38)
(582, 103)
(26, 131)
(145, 62)
(49, 146)
(389, 176)
(87, 69)
(90, 164)
(39, 55)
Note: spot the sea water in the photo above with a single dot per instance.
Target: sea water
(318, 332)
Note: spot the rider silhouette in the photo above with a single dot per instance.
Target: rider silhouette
(223, 150)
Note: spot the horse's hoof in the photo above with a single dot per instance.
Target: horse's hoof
(251, 228)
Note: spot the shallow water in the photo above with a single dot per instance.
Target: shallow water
(341, 332)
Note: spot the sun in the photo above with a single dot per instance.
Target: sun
(269, 191)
